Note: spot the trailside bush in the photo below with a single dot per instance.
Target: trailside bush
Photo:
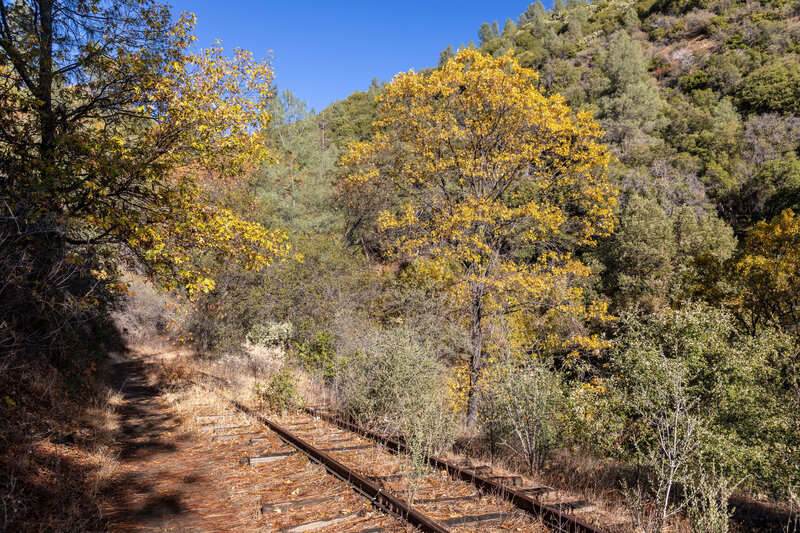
(279, 394)
(390, 379)
(394, 383)
(318, 354)
(707, 495)
(521, 408)
(270, 334)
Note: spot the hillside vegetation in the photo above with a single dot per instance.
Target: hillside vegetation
(698, 99)
(573, 243)
(682, 326)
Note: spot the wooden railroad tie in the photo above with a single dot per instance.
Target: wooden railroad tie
(221, 438)
(509, 481)
(210, 417)
(540, 493)
(301, 425)
(228, 428)
(216, 427)
(264, 459)
(347, 448)
(232, 436)
(576, 507)
(299, 504)
(483, 470)
(445, 499)
(490, 518)
(317, 524)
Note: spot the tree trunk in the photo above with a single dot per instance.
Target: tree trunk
(476, 357)
(45, 88)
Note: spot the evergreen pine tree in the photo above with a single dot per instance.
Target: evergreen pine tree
(446, 55)
(485, 33)
(574, 28)
(509, 27)
(538, 20)
(630, 19)
(533, 11)
(633, 106)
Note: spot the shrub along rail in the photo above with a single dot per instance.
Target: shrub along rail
(551, 516)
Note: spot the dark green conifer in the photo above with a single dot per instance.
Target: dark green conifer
(446, 55)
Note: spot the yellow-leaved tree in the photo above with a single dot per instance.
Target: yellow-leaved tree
(760, 283)
(496, 185)
(108, 118)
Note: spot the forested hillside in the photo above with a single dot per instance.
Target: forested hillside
(700, 95)
(687, 310)
(572, 247)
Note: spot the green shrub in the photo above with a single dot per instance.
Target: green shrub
(526, 400)
(318, 354)
(707, 495)
(736, 41)
(695, 80)
(494, 425)
(278, 394)
(774, 87)
(394, 383)
(271, 334)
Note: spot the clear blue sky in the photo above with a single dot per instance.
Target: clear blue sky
(323, 51)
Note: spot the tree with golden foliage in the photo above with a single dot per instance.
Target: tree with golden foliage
(496, 186)
(764, 277)
(107, 118)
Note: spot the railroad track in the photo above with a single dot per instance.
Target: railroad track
(447, 498)
(503, 486)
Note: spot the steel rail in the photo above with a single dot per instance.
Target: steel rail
(384, 500)
(550, 515)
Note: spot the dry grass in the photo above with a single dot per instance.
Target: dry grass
(57, 430)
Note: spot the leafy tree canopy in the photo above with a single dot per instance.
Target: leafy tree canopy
(495, 184)
(105, 137)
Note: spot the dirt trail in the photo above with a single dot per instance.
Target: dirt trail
(169, 478)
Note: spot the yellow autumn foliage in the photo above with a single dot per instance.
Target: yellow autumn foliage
(766, 275)
(498, 183)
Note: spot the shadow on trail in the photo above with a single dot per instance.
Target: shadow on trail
(144, 423)
(146, 428)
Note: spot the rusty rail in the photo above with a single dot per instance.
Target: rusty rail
(385, 501)
(551, 516)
